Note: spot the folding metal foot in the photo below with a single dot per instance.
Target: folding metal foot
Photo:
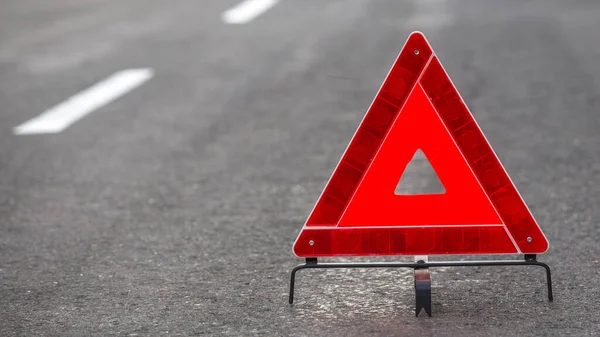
(422, 276)
(422, 291)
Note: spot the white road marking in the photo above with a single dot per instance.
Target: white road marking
(247, 11)
(70, 111)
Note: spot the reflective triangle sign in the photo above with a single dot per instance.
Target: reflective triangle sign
(418, 109)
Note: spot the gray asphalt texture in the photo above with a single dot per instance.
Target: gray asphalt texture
(173, 210)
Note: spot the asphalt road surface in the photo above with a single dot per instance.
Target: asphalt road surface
(172, 208)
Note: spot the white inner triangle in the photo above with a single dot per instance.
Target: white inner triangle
(419, 177)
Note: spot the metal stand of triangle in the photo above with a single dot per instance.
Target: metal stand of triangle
(422, 276)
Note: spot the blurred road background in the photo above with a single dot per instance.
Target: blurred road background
(172, 208)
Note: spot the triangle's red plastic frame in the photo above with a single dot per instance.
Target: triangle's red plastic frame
(418, 107)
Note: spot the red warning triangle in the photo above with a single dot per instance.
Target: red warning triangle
(418, 108)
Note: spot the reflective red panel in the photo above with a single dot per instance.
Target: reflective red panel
(403, 241)
(418, 107)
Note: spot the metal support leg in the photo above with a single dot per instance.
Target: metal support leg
(532, 258)
(311, 261)
(422, 291)
(422, 279)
